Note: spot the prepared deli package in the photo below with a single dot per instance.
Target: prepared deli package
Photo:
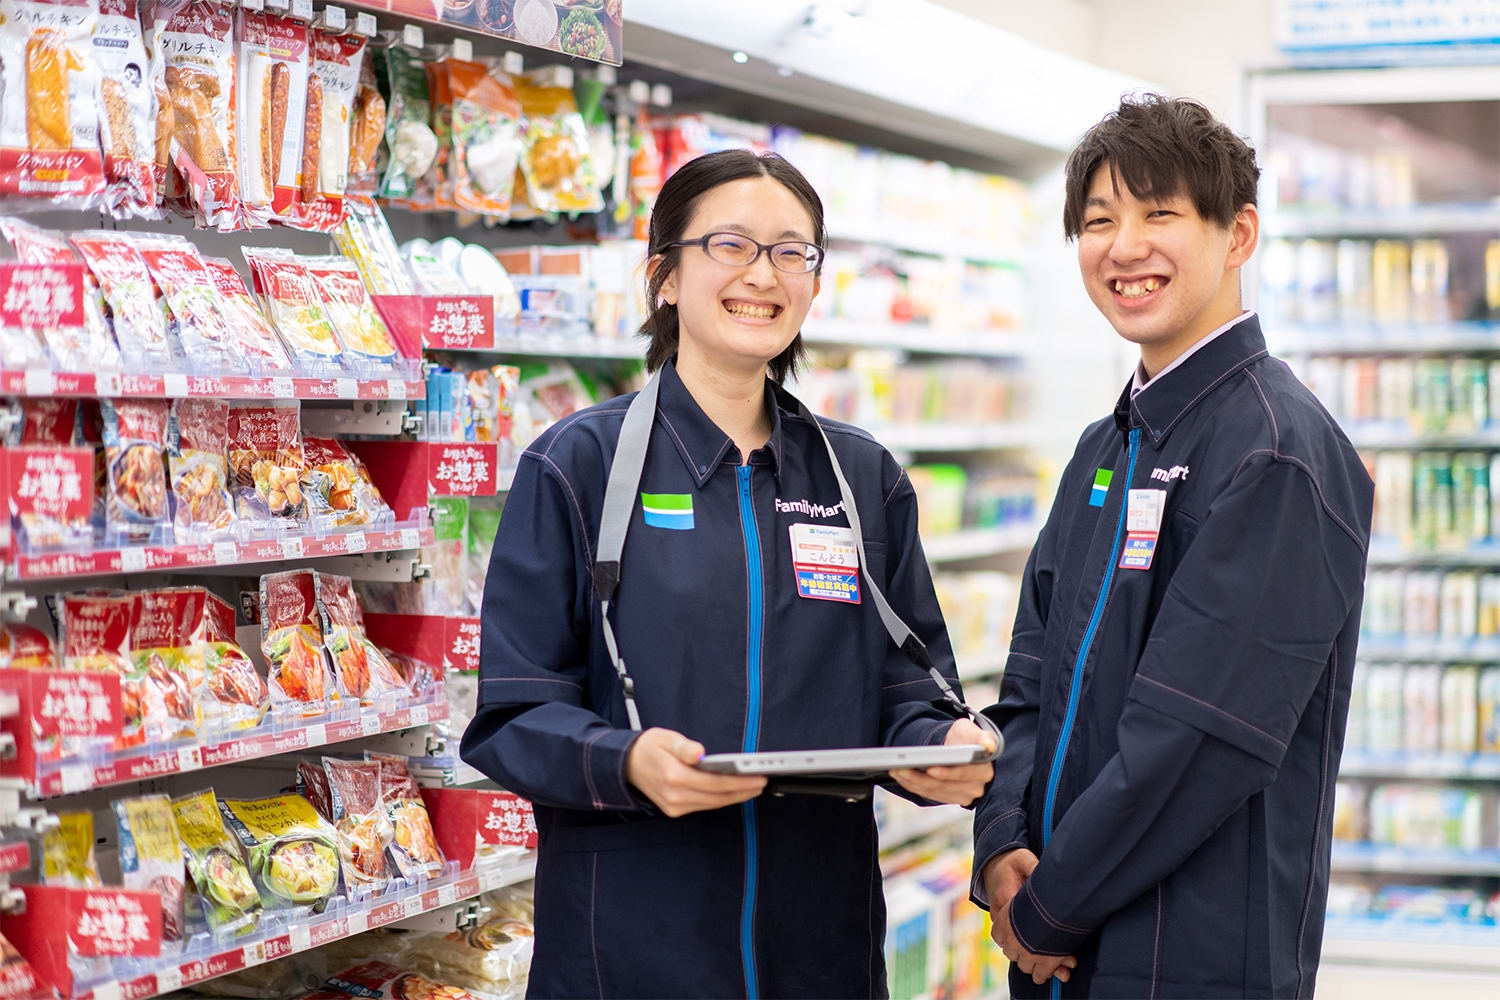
(337, 62)
(276, 106)
(127, 111)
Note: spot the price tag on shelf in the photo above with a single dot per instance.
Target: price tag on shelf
(169, 980)
(359, 922)
(301, 936)
(419, 715)
(317, 735)
(107, 383)
(189, 758)
(276, 4)
(411, 905)
(395, 388)
(463, 50)
(253, 4)
(347, 388)
(411, 538)
(39, 383)
(365, 24)
(369, 724)
(335, 18)
(226, 552)
(411, 35)
(283, 388)
(447, 895)
(254, 954)
(355, 541)
(76, 778)
(176, 385)
(514, 63)
(291, 548)
(302, 8)
(133, 559)
(109, 990)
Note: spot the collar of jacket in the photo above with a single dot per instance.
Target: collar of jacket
(1159, 407)
(700, 441)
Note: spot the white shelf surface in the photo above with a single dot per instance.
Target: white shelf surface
(1381, 338)
(1360, 857)
(1440, 945)
(1418, 220)
(953, 437)
(976, 543)
(1359, 763)
(1385, 552)
(915, 337)
(1480, 649)
(1401, 434)
(923, 822)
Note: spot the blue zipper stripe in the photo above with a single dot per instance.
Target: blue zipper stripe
(1076, 686)
(752, 725)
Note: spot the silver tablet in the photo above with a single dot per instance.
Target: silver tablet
(872, 761)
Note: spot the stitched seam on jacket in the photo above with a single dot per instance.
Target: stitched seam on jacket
(1307, 470)
(680, 443)
(570, 421)
(1042, 910)
(1275, 431)
(588, 770)
(1210, 388)
(594, 923)
(1156, 949)
(1213, 708)
(891, 687)
(530, 680)
(1000, 819)
(1312, 876)
(1027, 655)
(870, 909)
(899, 479)
(941, 727)
(583, 530)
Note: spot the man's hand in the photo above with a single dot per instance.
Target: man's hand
(660, 764)
(1005, 873)
(1003, 877)
(959, 785)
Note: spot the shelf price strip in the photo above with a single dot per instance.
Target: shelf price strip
(34, 383)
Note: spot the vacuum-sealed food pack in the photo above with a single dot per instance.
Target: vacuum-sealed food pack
(296, 309)
(366, 130)
(151, 855)
(408, 121)
(192, 304)
(363, 672)
(198, 455)
(365, 238)
(235, 695)
(293, 852)
(49, 111)
(125, 282)
(414, 848)
(273, 95)
(336, 488)
(90, 347)
(358, 815)
(231, 902)
(486, 137)
(127, 111)
(337, 61)
(555, 159)
(135, 434)
(23, 647)
(196, 40)
(291, 638)
(382, 981)
(266, 461)
(262, 349)
(368, 345)
(68, 852)
(166, 662)
(312, 784)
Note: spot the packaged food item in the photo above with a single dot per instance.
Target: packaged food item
(416, 674)
(365, 238)
(151, 855)
(1426, 816)
(1429, 904)
(312, 784)
(293, 852)
(261, 349)
(1459, 727)
(359, 816)
(414, 849)
(266, 461)
(166, 663)
(127, 111)
(381, 981)
(197, 453)
(191, 301)
(230, 900)
(1383, 706)
(408, 130)
(95, 635)
(492, 957)
(366, 130)
(197, 44)
(555, 157)
(362, 670)
(291, 637)
(90, 347)
(429, 275)
(125, 282)
(434, 192)
(68, 852)
(260, 91)
(135, 432)
(235, 696)
(1421, 709)
(486, 137)
(25, 648)
(164, 115)
(1489, 710)
(366, 341)
(337, 60)
(49, 112)
(296, 309)
(334, 488)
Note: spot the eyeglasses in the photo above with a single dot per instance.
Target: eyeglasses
(791, 256)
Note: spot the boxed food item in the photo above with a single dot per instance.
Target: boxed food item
(291, 637)
(293, 852)
(360, 818)
(135, 434)
(231, 903)
(151, 855)
(198, 454)
(266, 461)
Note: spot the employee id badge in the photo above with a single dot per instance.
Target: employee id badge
(826, 562)
(1143, 514)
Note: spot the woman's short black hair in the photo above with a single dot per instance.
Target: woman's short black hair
(672, 212)
(1163, 146)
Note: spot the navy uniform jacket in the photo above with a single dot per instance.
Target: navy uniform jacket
(780, 897)
(1172, 735)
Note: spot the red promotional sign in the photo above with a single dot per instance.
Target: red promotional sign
(114, 922)
(50, 484)
(461, 651)
(14, 857)
(70, 704)
(463, 470)
(467, 821)
(41, 295)
(507, 820)
(440, 322)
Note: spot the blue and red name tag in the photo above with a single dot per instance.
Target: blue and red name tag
(1143, 514)
(826, 562)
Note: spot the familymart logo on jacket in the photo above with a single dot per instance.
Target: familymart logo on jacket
(1167, 475)
(806, 507)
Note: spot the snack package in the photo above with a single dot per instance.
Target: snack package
(555, 158)
(492, 957)
(312, 784)
(358, 815)
(265, 461)
(18, 980)
(291, 637)
(334, 488)
(414, 849)
(366, 130)
(273, 92)
(296, 309)
(49, 113)
(135, 432)
(235, 695)
(191, 301)
(197, 454)
(486, 138)
(362, 670)
(90, 347)
(23, 647)
(164, 115)
(125, 282)
(68, 852)
(127, 111)
(430, 275)
(231, 902)
(408, 129)
(416, 674)
(151, 855)
(367, 343)
(196, 40)
(337, 61)
(434, 192)
(166, 662)
(381, 981)
(365, 238)
(293, 852)
(262, 350)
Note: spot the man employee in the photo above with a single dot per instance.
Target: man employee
(1174, 702)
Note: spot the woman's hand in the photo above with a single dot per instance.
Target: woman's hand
(959, 785)
(660, 765)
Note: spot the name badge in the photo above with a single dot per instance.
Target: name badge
(826, 562)
(1143, 514)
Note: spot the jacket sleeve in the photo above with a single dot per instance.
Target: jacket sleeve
(1243, 637)
(534, 731)
(1000, 817)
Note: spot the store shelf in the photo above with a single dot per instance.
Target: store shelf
(1418, 220)
(986, 664)
(1402, 764)
(266, 740)
(1437, 944)
(1400, 434)
(1387, 553)
(1482, 649)
(47, 383)
(921, 823)
(155, 977)
(915, 337)
(934, 244)
(953, 437)
(560, 346)
(206, 556)
(976, 543)
(1383, 338)
(1360, 857)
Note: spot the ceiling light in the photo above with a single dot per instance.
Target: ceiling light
(740, 57)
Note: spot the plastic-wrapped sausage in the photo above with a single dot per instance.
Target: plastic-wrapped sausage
(312, 136)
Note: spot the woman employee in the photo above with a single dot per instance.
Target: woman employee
(655, 878)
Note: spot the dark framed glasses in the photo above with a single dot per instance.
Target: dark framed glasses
(791, 256)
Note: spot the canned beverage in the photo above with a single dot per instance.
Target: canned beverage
(1492, 278)
(1459, 722)
(1383, 706)
(1469, 408)
(1431, 396)
(1360, 397)
(1354, 729)
(1429, 281)
(1489, 710)
(1354, 263)
(1458, 613)
(1393, 496)
(1317, 274)
(1421, 598)
(1421, 707)
(1390, 284)
(1489, 605)
(1394, 382)
(1471, 497)
(1383, 603)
